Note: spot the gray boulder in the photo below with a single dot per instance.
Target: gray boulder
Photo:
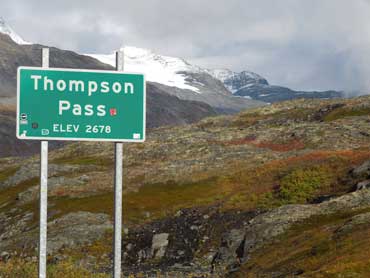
(362, 171)
(159, 245)
(363, 185)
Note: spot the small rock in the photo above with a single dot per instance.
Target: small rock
(4, 256)
(84, 178)
(363, 185)
(142, 255)
(353, 223)
(362, 170)
(159, 245)
(129, 247)
(58, 258)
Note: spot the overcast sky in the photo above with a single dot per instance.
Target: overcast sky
(303, 44)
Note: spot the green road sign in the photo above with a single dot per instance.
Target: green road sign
(64, 104)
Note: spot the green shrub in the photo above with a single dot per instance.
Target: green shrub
(301, 184)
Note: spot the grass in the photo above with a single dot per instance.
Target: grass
(152, 201)
(297, 179)
(284, 146)
(8, 196)
(313, 249)
(84, 160)
(102, 203)
(67, 268)
(292, 180)
(8, 172)
(346, 112)
(273, 119)
(161, 200)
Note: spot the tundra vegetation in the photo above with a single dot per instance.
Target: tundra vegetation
(277, 191)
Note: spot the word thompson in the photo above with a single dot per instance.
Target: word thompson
(77, 86)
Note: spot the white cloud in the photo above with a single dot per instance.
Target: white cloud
(313, 44)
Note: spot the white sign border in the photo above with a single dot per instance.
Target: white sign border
(79, 139)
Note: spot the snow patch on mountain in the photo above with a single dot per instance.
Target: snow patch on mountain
(6, 29)
(157, 68)
(234, 81)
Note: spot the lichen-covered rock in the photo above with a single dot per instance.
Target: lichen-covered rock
(354, 223)
(29, 171)
(159, 245)
(231, 251)
(69, 231)
(362, 171)
(76, 229)
(363, 185)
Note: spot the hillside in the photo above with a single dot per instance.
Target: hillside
(275, 191)
(163, 107)
(163, 110)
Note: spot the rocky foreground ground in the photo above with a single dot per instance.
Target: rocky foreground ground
(278, 191)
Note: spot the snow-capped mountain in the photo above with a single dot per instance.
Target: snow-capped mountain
(271, 93)
(251, 85)
(174, 76)
(223, 89)
(157, 68)
(174, 72)
(235, 81)
(189, 82)
(7, 30)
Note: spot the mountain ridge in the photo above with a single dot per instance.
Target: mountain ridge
(178, 73)
(175, 72)
(6, 29)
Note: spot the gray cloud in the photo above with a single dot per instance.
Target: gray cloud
(312, 44)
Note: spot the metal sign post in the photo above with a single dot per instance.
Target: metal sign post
(43, 190)
(118, 191)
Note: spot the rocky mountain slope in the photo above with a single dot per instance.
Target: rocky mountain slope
(235, 81)
(251, 85)
(7, 30)
(185, 80)
(272, 93)
(15, 52)
(163, 107)
(13, 55)
(208, 85)
(276, 191)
